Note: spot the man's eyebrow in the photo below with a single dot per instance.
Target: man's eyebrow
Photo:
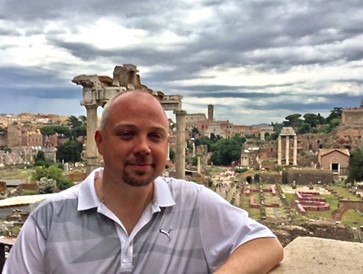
(125, 126)
(159, 129)
(133, 127)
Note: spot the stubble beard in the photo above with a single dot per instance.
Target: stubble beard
(137, 179)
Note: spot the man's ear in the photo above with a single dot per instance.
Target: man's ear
(98, 140)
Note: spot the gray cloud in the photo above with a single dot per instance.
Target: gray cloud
(280, 57)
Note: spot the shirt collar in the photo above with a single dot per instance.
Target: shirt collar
(88, 197)
(162, 193)
(87, 192)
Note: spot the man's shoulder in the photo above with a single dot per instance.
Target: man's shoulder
(59, 197)
(181, 183)
(182, 187)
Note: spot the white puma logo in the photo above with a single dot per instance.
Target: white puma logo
(167, 233)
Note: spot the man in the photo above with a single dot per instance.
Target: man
(124, 218)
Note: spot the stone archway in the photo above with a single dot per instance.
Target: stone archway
(249, 179)
(98, 90)
(266, 132)
(344, 206)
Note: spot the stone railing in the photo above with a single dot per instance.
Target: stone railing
(316, 255)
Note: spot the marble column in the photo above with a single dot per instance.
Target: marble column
(91, 148)
(295, 151)
(279, 150)
(287, 150)
(198, 165)
(168, 155)
(180, 144)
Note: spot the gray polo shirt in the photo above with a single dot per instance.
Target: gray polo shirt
(186, 229)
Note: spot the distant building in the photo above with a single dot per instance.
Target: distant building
(207, 126)
(353, 116)
(335, 160)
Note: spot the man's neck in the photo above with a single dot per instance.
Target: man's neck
(125, 201)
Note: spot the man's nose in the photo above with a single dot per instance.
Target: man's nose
(142, 145)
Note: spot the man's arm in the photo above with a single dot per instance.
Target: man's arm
(257, 256)
(26, 256)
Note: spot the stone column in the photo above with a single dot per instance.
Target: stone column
(279, 150)
(91, 148)
(287, 151)
(295, 151)
(198, 165)
(168, 155)
(180, 143)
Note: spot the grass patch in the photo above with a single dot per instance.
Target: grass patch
(14, 174)
(352, 218)
(253, 213)
(215, 170)
(345, 193)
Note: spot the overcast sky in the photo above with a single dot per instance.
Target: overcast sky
(256, 61)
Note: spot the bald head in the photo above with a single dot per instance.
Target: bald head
(140, 100)
(133, 139)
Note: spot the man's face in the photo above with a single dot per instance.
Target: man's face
(134, 141)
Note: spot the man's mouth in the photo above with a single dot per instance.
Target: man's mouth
(141, 167)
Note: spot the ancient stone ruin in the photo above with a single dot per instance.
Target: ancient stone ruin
(98, 90)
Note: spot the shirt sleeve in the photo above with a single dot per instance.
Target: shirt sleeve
(26, 255)
(225, 227)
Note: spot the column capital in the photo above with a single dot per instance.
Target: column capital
(91, 106)
(180, 112)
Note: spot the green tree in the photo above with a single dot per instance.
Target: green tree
(304, 128)
(195, 132)
(83, 119)
(334, 114)
(50, 130)
(238, 138)
(225, 151)
(277, 127)
(6, 148)
(70, 151)
(78, 126)
(204, 141)
(293, 120)
(47, 130)
(313, 119)
(40, 156)
(332, 124)
(355, 166)
(39, 159)
(80, 131)
(52, 172)
(172, 155)
(74, 122)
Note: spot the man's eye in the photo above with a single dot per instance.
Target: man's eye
(126, 135)
(156, 136)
